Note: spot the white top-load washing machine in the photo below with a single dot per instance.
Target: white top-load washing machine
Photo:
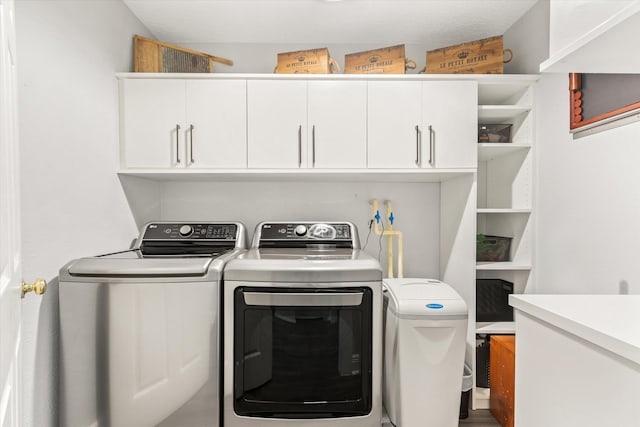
(303, 329)
(425, 338)
(139, 342)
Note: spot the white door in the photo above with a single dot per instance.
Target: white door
(216, 124)
(152, 122)
(337, 129)
(10, 260)
(450, 125)
(394, 124)
(276, 123)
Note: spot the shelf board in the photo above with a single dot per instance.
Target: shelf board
(481, 397)
(496, 328)
(304, 175)
(503, 91)
(502, 211)
(496, 114)
(493, 150)
(501, 266)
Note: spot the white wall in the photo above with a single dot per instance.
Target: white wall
(528, 39)
(588, 231)
(416, 207)
(72, 201)
(262, 58)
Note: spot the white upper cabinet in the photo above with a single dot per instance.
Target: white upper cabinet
(300, 124)
(152, 123)
(593, 36)
(450, 124)
(337, 132)
(394, 124)
(294, 123)
(277, 123)
(170, 123)
(216, 124)
(422, 124)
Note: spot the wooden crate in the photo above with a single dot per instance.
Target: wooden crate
(386, 60)
(152, 56)
(484, 56)
(312, 61)
(502, 368)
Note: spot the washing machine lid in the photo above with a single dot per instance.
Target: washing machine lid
(424, 298)
(124, 266)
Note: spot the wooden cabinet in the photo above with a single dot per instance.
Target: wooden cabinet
(152, 123)
(277, 123)
(422, 124)
(502, 368)
(394, 124)
(294, 123)
(216, 124)
(170, 123)
(337, 128)
(450, 120)
(300, 124)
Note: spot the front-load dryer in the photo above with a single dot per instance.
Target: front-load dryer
(302, 329)
(139, 344)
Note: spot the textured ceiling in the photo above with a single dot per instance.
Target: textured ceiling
(431, 23)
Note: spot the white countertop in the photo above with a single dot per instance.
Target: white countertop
(609, 321)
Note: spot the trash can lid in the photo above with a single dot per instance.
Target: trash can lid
(424, 298)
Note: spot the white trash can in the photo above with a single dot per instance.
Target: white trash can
(425, 337)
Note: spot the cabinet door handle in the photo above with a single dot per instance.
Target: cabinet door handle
(418, 146)
(191, 127)
(177, 143)
(313, 146)
(432, 147)
(300, 146)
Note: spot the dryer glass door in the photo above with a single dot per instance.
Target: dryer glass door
(302, 353)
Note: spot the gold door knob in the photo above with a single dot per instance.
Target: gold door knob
(39, 287)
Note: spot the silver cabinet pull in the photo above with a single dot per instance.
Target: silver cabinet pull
(313, 146)
(418, 146)
(191, 143)
(303, 299)
(177, 143)
(300, 146)
(432, 148)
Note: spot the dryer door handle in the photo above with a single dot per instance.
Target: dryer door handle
(303, 299)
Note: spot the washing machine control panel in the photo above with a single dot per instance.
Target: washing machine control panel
(311, 231)
(190, 231)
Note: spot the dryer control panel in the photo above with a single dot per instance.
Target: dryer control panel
(294, 234)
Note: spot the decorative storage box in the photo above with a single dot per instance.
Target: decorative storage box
(386, 60)
(492, 300)
(152, 56)
(312, 61)
(492, 248)
(484, 56)
(494, 133)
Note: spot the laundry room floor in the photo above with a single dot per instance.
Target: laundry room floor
(477, 418)
(480, 418)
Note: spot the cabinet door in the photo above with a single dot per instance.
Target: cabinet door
(394, 124)
(276, 123)
(450, 111)
(337, 131)
(216, 126)
(152, 122)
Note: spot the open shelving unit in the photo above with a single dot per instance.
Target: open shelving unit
(505, 193)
